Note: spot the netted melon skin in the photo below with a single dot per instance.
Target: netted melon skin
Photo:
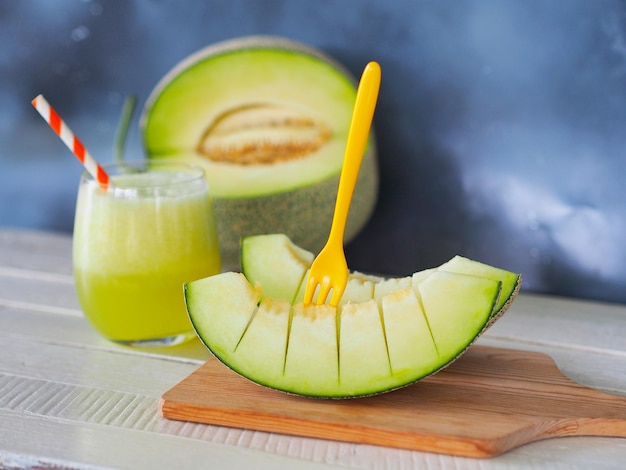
(304, 214)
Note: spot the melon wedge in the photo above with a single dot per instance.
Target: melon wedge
(357, 349)
(385, 333)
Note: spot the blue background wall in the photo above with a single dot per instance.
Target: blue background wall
(501, 124)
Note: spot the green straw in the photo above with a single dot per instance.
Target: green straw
(122, 130)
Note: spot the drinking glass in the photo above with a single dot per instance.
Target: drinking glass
(135, 245)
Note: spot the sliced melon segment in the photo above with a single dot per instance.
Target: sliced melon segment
(289, 261)
(363, 346)
(511, 282)
(455, 305)
(412, 348)
(267, 331)
(312, 366)
(225, 316)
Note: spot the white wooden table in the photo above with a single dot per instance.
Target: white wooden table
(69, 398)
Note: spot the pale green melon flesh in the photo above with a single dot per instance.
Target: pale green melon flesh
(413, 351)
(311, 365)
(363, 343)
(261, 251)
(181, 109)
(359, 349)
(270, 323)
(510, 281)
(387, 286)
(235, 304)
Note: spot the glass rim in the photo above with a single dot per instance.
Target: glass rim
(189, 179)
(196, 172)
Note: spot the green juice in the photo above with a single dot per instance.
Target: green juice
(134, 247)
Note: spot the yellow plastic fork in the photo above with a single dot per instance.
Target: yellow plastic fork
(329, 270)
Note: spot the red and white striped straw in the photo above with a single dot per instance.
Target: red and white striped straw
(73, 143)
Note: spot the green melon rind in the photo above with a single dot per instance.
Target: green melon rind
(229, 323)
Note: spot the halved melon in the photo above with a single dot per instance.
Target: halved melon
(267, 118)
(385, 334)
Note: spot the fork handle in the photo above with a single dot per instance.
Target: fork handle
(362, 115)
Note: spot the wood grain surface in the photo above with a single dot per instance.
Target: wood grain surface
(489, 401)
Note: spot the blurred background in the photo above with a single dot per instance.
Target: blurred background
(501, 125)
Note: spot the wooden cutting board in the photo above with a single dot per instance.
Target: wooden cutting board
(489, 401)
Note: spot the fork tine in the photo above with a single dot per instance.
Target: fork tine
(309, 291)
(315, 286)
(337, 295)
(325, 287)
(324, 291)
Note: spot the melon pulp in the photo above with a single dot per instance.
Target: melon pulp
(267, 118)
(385, 334)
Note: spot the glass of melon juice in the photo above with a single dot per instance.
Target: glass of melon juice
(136, 243)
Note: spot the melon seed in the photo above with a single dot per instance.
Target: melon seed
(262, 133)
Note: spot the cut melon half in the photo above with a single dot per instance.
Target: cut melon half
(267, 118)
(385, 334)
